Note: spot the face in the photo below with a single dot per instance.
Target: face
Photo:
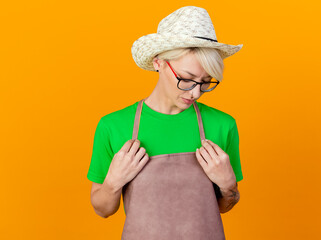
(183, 67)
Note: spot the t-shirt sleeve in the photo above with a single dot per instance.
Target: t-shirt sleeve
(233, 151)
(102, 154)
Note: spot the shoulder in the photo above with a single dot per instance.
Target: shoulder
(209, 113)
(119, 116)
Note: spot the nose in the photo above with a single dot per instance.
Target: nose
(195, 93)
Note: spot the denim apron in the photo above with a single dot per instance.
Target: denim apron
(171, 198)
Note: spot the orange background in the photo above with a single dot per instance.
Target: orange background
(61, 63)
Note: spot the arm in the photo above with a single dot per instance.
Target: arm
(105, 194)
(229, 197)
(105, 198)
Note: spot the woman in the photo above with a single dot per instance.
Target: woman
(171, 191)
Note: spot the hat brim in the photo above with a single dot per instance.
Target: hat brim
(147, 47)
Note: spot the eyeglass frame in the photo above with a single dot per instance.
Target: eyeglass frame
(201, 83)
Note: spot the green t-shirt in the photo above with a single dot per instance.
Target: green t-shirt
(161, 133)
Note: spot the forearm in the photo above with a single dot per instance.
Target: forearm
(229, 198)
(106, 200)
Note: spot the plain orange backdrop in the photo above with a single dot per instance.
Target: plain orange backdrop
(65, 64)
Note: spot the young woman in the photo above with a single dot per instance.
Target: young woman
(180, 168)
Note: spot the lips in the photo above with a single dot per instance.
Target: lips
(188, 101)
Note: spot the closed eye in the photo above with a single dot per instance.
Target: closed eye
(193, 75)
(189, 80)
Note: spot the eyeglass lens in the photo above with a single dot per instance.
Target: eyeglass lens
(187, 85)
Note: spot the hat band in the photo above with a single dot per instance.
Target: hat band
(207, 38)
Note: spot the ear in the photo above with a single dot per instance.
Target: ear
(158, 63)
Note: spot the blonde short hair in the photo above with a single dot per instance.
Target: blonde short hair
(209, 58)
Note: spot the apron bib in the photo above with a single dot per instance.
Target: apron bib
(171, 198)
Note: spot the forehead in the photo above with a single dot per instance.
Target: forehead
(190, 64)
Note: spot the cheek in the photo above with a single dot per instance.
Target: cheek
(179, 93)
(173, 87)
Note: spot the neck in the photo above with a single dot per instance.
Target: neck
(160, 102)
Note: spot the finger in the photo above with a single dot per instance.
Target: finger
(210, 149)
(216, 147)
(134, 148)
(141, 152)
(200, 158)
(143, 161)
(205, 155)
(125, 148)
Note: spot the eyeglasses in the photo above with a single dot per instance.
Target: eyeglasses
(188, 84)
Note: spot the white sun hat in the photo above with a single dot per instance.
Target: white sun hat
(188, 26)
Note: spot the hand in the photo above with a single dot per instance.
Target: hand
(127, 163)
(216, 164)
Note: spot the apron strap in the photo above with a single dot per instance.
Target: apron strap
(139, 110)
(137, 119)
(200, 122)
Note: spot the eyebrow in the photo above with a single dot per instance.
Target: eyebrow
(193, 75)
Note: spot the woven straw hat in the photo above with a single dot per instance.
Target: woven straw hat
(188, 26)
